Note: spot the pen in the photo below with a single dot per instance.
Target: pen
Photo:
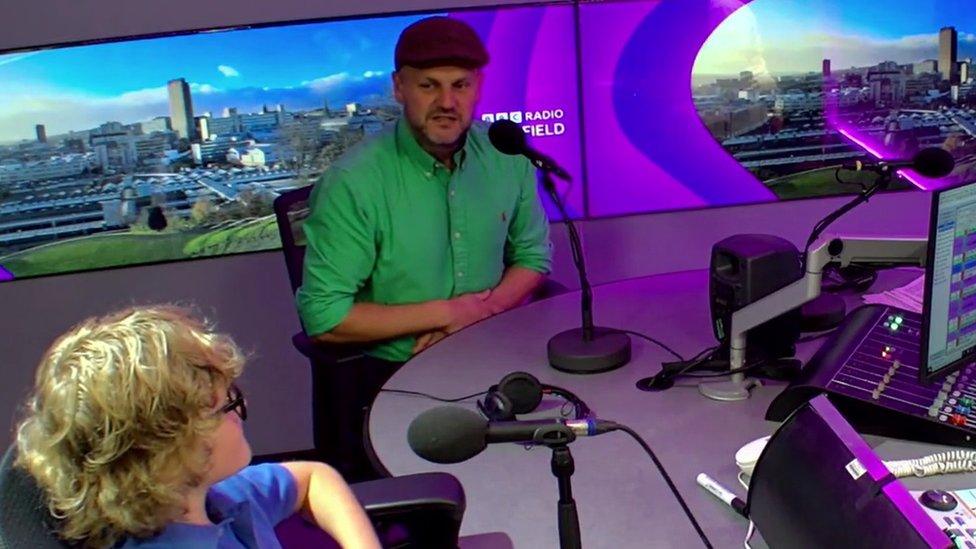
(722, 493)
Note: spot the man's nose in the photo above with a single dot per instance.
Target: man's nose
(447, 99)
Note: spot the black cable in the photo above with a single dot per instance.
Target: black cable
(432, 397)
(837, 176)
(741, 370)
(665, 378)
(854, 276)
(866, 193)
(691, 365)
(842, 182)
(654, 341)
(705, 350)
(667, 479)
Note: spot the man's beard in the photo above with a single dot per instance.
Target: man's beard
(428, 136)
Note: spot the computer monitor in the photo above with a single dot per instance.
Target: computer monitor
(948, 338)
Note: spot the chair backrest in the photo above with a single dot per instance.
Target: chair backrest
(24, 518)
(291, 210)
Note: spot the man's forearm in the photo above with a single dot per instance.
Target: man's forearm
(516, 286)
(368, 322)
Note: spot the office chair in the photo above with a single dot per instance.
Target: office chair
(341, 394)
(422, 510)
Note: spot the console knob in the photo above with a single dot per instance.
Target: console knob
(940, 500)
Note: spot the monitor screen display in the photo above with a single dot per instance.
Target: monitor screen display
(949, 310)
(168, 148)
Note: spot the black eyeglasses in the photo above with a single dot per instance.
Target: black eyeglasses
(235, 403)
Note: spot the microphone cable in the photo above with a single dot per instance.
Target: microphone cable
(665, 378)
(432, 397)
(654, 341)
(667, 479)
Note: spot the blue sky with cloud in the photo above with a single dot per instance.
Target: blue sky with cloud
(784, 36)
(76, 88)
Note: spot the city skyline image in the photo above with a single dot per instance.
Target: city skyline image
(299, 66)
(161, 149)
(783, 37)
(169, 148)
(794, 90)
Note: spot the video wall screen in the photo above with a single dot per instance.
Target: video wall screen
(163, 149)
(781, 93)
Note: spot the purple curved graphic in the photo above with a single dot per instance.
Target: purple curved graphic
(646, 147)
(531, 79)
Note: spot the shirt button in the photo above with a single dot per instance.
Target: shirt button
(457, 235)
(428, 174)
(460, 274)
(452, 192)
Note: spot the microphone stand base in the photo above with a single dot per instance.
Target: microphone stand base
(608, 350)
(728, 391)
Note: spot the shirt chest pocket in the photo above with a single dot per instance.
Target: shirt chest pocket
(490, 215)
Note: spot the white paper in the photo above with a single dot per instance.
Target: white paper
(908, 297)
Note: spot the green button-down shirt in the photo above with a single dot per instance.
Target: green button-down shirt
(391, 225)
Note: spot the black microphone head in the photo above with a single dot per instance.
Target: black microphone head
(507, 136)
(447, 434)
(933, 162)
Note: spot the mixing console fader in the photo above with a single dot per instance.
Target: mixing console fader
(869, 367)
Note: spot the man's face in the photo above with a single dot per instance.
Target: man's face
(438, 102)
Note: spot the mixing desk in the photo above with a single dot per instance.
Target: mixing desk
(870, 370)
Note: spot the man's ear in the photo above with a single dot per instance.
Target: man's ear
(397, 86)
(479, 77)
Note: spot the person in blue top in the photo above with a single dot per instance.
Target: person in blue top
(134, 433)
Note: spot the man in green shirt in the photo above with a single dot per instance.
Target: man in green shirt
(425, 229)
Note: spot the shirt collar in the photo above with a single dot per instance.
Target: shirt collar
(409, 146)
(225, 513)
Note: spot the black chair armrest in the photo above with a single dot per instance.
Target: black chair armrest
(426, 509)
(330, 354)
(436, 492)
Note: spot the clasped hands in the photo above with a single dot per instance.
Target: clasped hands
(459, 312)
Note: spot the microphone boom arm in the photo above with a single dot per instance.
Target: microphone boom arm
(841, 250)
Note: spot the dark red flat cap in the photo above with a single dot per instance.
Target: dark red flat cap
(438, 42)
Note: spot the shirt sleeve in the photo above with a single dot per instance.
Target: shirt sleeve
(528, 243)
(268, 486)
(340, 253)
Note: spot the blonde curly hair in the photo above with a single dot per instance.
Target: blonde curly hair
(116, 425)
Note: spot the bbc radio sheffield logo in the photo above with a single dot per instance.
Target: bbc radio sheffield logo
(542, 123)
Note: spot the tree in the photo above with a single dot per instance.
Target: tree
(202, 210)
(157, 219)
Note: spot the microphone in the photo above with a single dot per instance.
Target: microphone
(930, 162)
(509, 138)
(587, 349)
(448, 434)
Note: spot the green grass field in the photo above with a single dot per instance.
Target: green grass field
(821, 182)
(132, 248)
